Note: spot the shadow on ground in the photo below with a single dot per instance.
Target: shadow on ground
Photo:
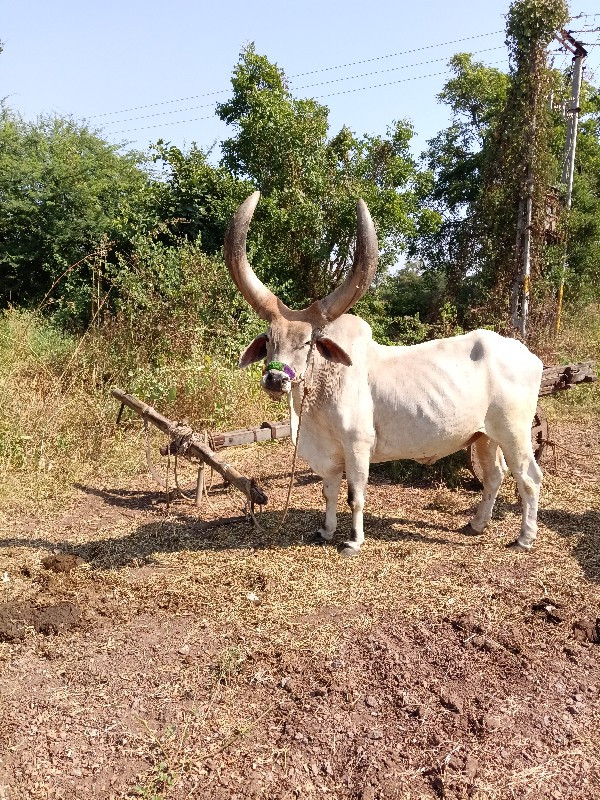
(183, 532)
(584, 526)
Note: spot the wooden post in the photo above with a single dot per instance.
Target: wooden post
(200, 485)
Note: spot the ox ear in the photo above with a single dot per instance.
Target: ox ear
(332, 351)
(256, 351)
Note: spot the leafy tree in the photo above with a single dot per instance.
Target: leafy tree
(195, 200)
(500, 147)
(305, 225)
(62, 190)
(457, 156)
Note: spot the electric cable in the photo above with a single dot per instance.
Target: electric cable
(318, 97)
(299, 74)
(301, 88)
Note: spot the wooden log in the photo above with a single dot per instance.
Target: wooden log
(566, 376)
(189, 444)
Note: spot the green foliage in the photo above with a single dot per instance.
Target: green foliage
(195, 200)
(531, 24)
(62, 190)
(582, 279)
(476, 95)
(175, 331)
(302, 239)
(503, 143)
(169, 293)
(457, 156)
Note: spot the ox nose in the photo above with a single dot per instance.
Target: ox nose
(275, 380)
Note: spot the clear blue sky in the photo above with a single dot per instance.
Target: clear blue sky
(92, 59)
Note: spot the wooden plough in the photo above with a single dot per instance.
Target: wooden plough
(191, 445)
(195, 446)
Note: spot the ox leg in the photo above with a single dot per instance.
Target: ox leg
(494, 469)
(331, 490)
(528, 476)
(357, 475)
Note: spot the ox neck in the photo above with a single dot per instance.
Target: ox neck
(297, 398)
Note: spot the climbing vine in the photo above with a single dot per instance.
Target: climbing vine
(496, 161)
(519, 167)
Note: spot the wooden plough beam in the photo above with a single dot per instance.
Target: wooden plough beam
(187, 443)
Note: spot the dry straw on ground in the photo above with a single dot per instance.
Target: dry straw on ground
(227, 661)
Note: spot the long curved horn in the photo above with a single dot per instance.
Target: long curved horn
(363, 269)
(262, 300)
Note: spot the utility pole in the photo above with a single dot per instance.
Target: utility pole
(520, 289)
(579, 53)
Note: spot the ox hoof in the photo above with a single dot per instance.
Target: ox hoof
(348, 550)
(469, 530)
(518, 547)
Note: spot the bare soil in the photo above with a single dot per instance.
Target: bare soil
(143, 654)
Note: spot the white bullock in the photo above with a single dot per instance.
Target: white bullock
(369, 402)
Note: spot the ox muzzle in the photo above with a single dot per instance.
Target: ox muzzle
(277, 379)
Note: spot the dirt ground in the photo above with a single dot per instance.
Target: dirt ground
(144, 655)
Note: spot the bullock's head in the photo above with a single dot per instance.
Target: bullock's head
(285, 346)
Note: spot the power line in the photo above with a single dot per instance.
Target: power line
(319, 97)
(390, 83)
(159, 114)
(591, 72)
(308, 86)
(393, 55)
(390, 69)
(299, 74)
(160, 125)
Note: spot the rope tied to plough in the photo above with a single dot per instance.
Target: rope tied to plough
(178, 445)
(555, 445)
(182, 436)
(182, 445)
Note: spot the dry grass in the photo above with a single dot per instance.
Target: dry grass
(204, 624)
(578, 341)
(57, 417)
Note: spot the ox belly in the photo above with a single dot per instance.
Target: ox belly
(429, 430)
(321, 448)
(423, 449)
